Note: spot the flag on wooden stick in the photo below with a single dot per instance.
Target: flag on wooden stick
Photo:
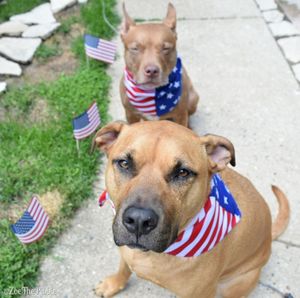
(33, 224)
(86, 123)
(100, 49)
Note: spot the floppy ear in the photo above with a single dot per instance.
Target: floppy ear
(106, 136)
(170, 19)
(127, 22)
(220, 152)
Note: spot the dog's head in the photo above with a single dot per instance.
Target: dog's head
(158, 176)
(150, 49)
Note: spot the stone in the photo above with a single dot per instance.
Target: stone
(19, 49)
(12, 28)
(291, 48)
(43, 31)
(273, 16)
(296, 69)
(283, 28)
(2, 87)
(42, 14)
(59, 5)
(9, 68)
(266, 4)
(82, 1)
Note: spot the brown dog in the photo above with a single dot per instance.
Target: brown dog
(159, 177)
(155, 85)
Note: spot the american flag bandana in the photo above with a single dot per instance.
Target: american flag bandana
(87, 122)
(33, 223)
(100, 49)
(159, 101)
(215, 220)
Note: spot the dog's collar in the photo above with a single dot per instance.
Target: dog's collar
(159, 101)
(215, 220)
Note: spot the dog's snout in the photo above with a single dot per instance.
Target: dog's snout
(140, 221)
(151, 71)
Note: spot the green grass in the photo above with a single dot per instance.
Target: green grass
(46, 51)
(65, 26)
(38, 157)
(13, 7)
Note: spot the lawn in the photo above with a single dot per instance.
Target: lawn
(38, 153)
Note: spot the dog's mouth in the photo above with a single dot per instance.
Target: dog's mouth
(152, 84)
(137, 246)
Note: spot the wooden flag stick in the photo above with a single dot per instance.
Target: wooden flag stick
(77, 146)
(87, 61)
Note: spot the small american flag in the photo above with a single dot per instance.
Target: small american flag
(86, 123)
(33, 224)
(100, 49)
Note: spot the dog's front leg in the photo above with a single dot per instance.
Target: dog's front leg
(112, 284)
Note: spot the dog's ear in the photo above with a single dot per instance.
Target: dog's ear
(170, 19)
(220, 152)
(107, 135)
(127, 22)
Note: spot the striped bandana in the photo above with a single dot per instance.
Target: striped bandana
(215, 220)
(158, 101)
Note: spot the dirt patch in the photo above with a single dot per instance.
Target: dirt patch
(51, 202)
(40, 113)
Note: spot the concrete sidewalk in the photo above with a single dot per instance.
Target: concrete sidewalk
(248, 94)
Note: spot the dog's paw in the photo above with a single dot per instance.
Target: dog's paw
(109, 287)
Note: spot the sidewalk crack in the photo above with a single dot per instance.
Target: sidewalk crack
(288, 243)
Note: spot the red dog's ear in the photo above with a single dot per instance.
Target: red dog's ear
(220, 152)
(170, 19)
(107, 135)
(127, 22)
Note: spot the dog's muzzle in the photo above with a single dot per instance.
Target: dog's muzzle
(142, 224)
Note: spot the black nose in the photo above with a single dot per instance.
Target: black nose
(140, 221)
(151, 71)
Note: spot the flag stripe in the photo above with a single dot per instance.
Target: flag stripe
(36, 236)
(35, 228)
(91, 123)
(100, 49)
(90, 129)
(34, 218)
(100, 52)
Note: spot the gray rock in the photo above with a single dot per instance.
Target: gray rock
(283, 28)
(9, 68)
(12, 28)
(2, 87)
(19, 49)
(291, 48)
(266, 4)
(273, 16)
(43, 30)
(40, 15)
(58, 5)
(296, 69)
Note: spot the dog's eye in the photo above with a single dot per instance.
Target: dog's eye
(183, 173)
(134, 50)
(124, 164)
(166, 50)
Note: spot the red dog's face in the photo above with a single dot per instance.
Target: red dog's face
(150, 49)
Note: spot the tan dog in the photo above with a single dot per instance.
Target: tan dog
(150, 57)
(161, 172)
